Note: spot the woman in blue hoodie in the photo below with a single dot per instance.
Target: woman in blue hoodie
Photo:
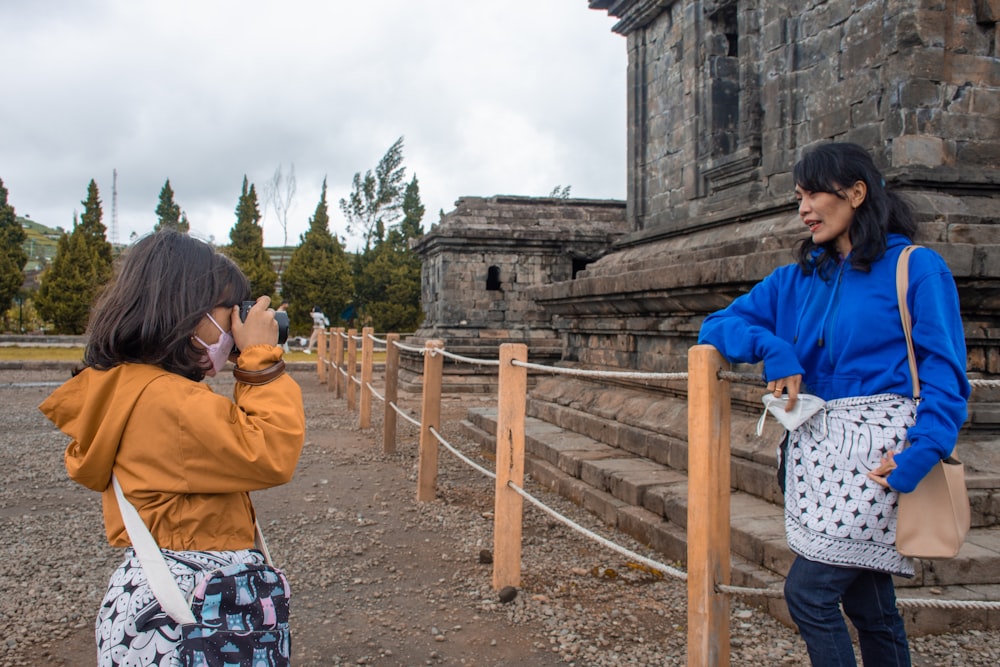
(829, 325)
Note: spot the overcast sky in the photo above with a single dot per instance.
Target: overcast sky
(491, 98)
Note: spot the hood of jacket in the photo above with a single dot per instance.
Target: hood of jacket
(93, 409)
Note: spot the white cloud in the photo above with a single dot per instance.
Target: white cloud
(491, 99)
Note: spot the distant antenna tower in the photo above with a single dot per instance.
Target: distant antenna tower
(114, 208)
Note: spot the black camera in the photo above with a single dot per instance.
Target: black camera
(280, 316)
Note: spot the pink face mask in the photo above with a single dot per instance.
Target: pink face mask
(217, 352)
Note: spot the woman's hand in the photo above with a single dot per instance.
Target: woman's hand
(260, 327)
(886, 466)
(792, 384)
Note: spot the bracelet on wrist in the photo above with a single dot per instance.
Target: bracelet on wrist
(263, 376)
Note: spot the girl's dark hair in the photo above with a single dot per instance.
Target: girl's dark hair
(832, 168)
(163, 286)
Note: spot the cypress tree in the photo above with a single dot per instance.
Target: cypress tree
(246, 244)
(80, 269)
(318, 273)
(12, 254)
(168, 213)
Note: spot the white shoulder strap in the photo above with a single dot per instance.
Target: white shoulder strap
(161, 582)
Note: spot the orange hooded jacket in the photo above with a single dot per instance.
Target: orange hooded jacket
(185, 456)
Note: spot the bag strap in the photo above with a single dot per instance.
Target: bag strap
(902, 284)
(161, 581)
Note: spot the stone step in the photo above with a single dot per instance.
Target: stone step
(648, 501)
(653, 426)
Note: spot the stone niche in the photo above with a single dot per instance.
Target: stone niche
(723, 97)
(480, 263)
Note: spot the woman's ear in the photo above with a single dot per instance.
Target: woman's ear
(856, 193)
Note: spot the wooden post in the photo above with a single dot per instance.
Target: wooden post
(430, 416)
(352, 369)
(321, 355)
(367, 358)
(708, 508)
(509, 505)
(338, 361)
(391, 393)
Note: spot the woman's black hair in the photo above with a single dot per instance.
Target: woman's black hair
(832, 168)
(163, 286)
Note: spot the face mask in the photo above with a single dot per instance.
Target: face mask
(217, 352)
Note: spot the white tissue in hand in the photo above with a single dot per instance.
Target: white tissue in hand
(805, 407)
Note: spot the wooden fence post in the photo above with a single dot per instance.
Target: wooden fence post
(338, 361)
(509, 505)
(367, 359)
(391, 393)
(708, 508)
(430, 417)
(321, 355)
(352, 369)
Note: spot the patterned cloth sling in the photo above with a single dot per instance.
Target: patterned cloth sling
(834, 514)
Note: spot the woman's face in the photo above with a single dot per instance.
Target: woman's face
(829, 215)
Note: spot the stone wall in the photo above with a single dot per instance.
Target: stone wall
(724, 96)
(484, 257)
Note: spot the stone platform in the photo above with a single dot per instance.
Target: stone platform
(621, 452)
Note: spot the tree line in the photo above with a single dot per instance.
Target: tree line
(377, 286)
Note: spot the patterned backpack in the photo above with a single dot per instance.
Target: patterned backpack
(238, 616)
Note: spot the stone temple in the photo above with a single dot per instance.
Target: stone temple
(723, 97)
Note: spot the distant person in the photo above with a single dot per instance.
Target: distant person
(185, 457)
(320, 322)
(283, 308)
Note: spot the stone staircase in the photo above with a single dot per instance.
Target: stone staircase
(621, 452)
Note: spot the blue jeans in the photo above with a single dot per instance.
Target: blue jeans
(814, 592)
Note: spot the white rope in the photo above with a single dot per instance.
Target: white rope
(468, 360)
(410, 348)
(947, 604)
(356, 381)
(648, 562)
(460, 455)
(377, 340)
(405, 416)
(630, 375)
(980, 382)
(751, 592)
(375, 393)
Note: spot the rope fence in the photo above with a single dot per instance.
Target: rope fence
(708, 527)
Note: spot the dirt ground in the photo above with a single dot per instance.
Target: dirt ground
(377, 578)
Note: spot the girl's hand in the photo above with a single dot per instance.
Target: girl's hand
(879, 474)
(260, 327)
(792, 383)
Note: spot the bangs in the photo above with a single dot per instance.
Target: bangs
(816, 172)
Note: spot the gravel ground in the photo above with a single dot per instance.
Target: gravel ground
(377, 578)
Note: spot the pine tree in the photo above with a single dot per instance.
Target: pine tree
(246, 244)
(168, 213)
(12, 254)
(80, 269)
(375, 199)
(318, 273)
(389, 286)
(94, 234)
(413, 212)
(69, 284)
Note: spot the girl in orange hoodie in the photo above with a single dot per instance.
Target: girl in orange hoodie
(185, 457)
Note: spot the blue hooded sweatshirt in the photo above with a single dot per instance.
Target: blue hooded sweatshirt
(843, 335)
